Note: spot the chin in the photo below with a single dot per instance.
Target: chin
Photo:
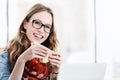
(41, 42)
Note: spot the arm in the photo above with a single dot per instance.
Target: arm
(30, 53)
(5, 68)
(18, 70)
(56, 61)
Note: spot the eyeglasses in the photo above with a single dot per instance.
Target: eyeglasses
(38, 24)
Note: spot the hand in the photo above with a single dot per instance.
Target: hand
(56, 60)
(35, 51)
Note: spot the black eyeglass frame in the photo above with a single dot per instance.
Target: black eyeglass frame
(40, 26)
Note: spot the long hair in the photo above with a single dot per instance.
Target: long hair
(20, 43)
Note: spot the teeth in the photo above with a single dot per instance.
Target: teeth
(39, 36)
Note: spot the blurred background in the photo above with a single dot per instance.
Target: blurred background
(74, 21)
(88, 30)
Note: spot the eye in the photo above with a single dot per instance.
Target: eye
(36, 22)
(48, 26)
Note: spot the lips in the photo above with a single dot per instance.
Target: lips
(38, 35)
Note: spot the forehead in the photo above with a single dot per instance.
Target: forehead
(44, 17)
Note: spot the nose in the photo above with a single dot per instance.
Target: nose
(41, 29)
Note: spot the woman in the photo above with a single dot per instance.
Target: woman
(32, 54)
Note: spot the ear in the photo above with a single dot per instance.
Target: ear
(25, 24)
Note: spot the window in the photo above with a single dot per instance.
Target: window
(3, 23)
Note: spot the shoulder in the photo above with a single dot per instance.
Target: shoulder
(4, 53)
(4, 59)
(4, 56)
(4, 65)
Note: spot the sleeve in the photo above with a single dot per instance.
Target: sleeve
(4, 66)
(48, 78)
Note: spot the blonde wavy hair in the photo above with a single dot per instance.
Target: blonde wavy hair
(20, 43)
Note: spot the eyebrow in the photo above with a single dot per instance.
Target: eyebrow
(40, 21)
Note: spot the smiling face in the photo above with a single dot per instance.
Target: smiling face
(38, 35)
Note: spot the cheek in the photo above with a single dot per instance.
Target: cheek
(29, 33)
(46, 36)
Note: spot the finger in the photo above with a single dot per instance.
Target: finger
(36, 44)
(56, 54)
(55, 63)
(39, 53)
(38, 47)
(56, 57)
(38, 56)
(46, 49)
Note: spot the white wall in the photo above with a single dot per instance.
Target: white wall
(108, 34)
(108, 29)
